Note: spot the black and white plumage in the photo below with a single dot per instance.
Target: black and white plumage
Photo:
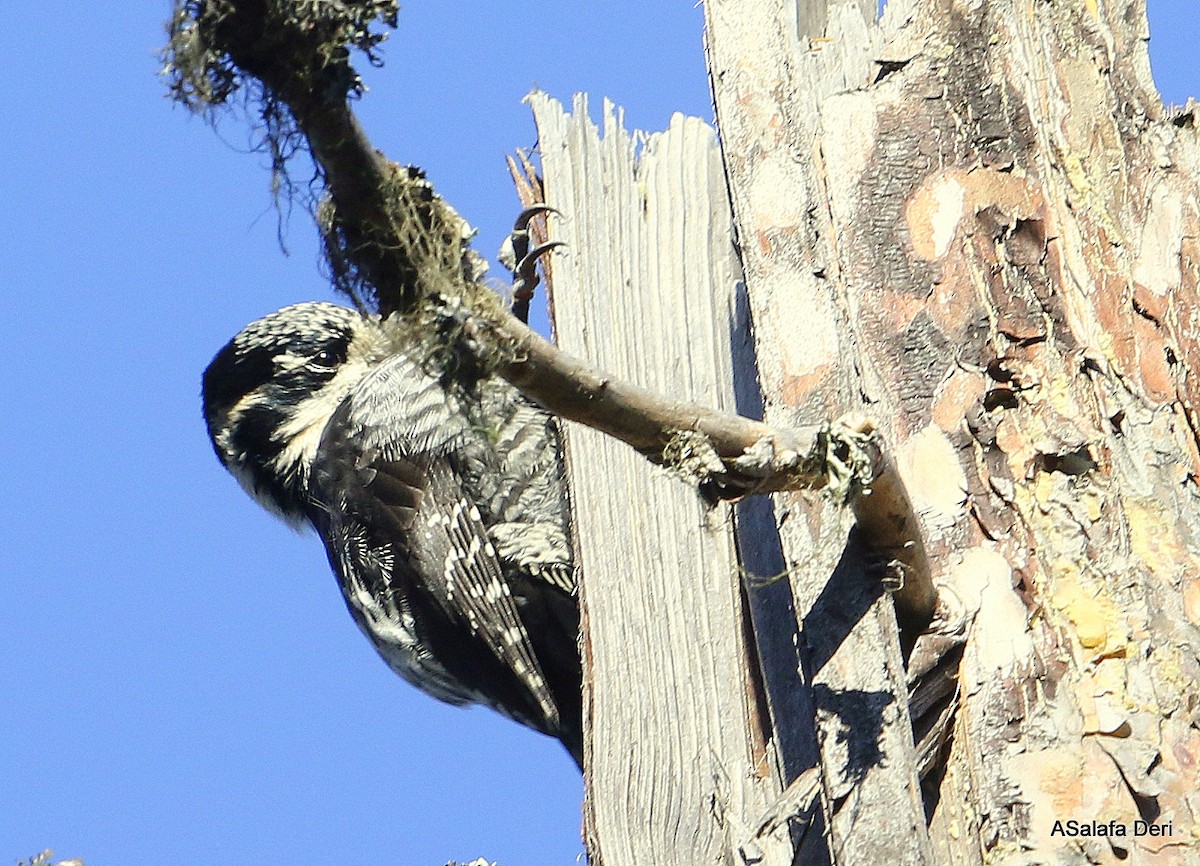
(443, 511)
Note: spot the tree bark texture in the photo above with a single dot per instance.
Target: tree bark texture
(677, 766)
(975, 220)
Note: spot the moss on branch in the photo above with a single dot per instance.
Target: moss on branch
(395, 246)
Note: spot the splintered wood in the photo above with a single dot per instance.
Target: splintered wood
(645, 290)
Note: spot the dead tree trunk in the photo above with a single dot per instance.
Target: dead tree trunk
(975, 221)
(978, 217)
(676, 763)
(682, 764)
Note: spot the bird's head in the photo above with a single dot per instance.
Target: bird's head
(269, 393)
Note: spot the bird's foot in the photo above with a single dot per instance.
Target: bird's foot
(517, 255)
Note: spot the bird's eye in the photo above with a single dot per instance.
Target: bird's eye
(325, 358)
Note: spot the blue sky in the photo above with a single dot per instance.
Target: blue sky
(182, 684)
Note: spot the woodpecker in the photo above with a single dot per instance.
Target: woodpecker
(443, 510)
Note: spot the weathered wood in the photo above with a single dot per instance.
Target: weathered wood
(768, 85)
(979, 217)
(676, 766)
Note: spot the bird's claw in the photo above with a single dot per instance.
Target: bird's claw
(525, 216)
(522, 261)
(526, 271)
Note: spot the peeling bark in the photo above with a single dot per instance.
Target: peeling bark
(976, 220)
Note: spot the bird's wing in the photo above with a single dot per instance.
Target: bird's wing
(450, 552)
(525, 491)
(413, 512)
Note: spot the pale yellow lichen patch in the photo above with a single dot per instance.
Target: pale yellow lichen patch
(1060, 394)
(1043, 488)
(1093, 502)
(933, 476)
(1091, 623)
(1097, 622)
(1154, 541)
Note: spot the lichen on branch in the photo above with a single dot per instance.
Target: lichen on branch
(395, 246)
(390, 241)
(218, 47)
